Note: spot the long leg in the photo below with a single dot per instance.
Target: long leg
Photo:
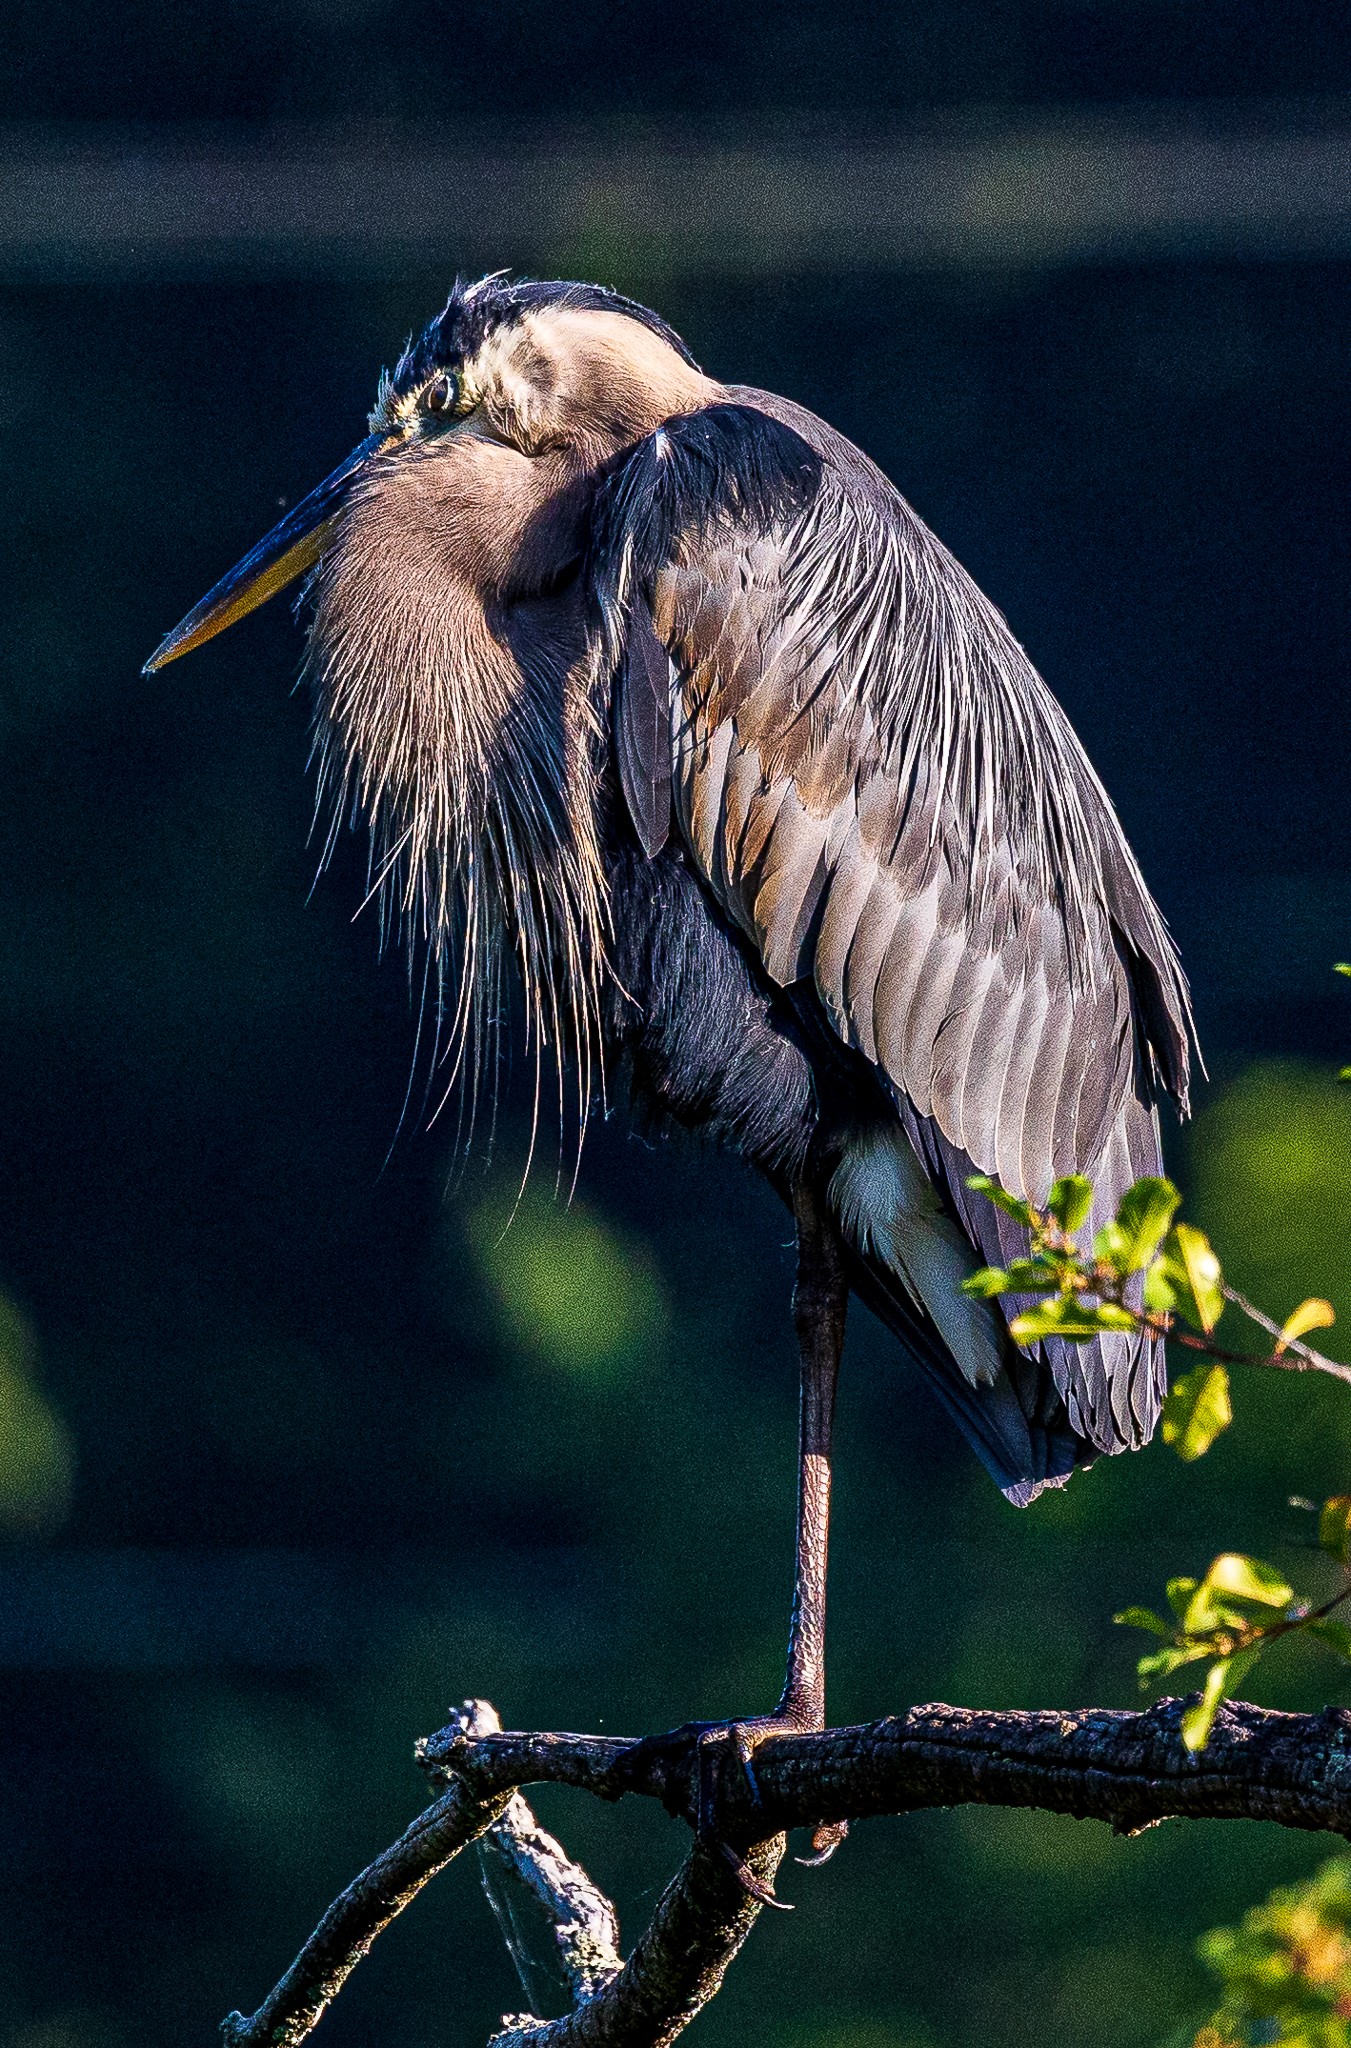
(820, 1300)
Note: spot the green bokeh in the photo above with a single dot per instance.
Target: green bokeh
(1271, 1180)
(568, 1289)
(36, 1458)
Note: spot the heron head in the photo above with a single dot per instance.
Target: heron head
(480, 447)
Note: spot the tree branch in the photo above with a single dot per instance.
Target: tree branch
(1096, 1763)
(358, 1915)
(1296, 1355)
(581, 1922)
(701, 1921)
(1128, 1769)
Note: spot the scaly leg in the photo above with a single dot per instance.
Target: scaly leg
(820, 1300)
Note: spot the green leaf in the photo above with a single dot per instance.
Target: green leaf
(1342, 967)
(1066, 1317)
(1186, 1278)
(1111, 1246)
(1142, 1219)
(1199, 1718)
(1197, 1408)
(1161, 1292)
(1163, 1663)
(982, 1184)
(1202, 1269)
(1334, 1527)
(1248, 1579)
(1179, 1594)
(1211, 1606)
(1033, 1276)
(988, 1281)
(1206, 1616)
(1313, 1314)
(1146, 1618)
(1335, 1634)
(1070, 1201)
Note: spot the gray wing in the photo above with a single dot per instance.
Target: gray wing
(642, 728)
(882, 794)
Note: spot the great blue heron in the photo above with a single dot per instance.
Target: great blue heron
(658, 684)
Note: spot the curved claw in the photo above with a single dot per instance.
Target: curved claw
(745, 1737)
(745, 1750)
(707, 1820)
(825, 1841)
(749, 1882)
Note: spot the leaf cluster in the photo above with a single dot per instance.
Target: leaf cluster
(1146, 1271)
(1084, 1291)
(1233, 1614)
(1226, 1618)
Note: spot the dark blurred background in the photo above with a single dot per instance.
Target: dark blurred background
(296, 1448)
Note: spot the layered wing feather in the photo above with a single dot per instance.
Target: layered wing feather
(642, 729)
(882, 794)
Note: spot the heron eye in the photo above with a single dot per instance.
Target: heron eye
(442, 395)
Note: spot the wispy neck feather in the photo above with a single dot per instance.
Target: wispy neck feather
(466, 741)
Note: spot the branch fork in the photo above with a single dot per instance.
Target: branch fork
(1131, 1770)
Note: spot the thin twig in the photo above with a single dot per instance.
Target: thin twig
(1292, 1356)
(576, 1915)
(581, 1919)
(1286, 1361)
(1264, 1632)
(1295, 1355)
(358, 1915)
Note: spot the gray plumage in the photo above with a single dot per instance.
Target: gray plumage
(880, 791)
(659, 686)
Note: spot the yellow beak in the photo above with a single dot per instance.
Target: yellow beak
(293, 546)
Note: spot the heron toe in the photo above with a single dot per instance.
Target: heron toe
(746, 1738)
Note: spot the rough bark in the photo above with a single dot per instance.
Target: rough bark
(1129, 1770)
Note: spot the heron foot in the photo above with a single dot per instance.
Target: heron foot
(709, 1742)
(746, 1737)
